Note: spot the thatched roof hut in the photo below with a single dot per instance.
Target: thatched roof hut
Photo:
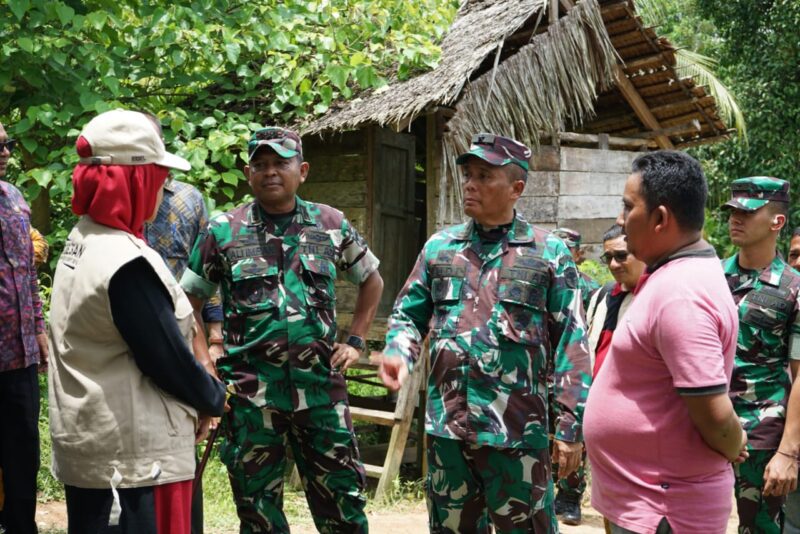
(559, 76)
(563, 67)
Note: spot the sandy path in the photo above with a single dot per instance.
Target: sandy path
(411, 520)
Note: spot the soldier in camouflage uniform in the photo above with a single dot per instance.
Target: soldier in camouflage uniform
(571, 488)
(275, 261)
(498, 297)
(587, 285)
(766, 290)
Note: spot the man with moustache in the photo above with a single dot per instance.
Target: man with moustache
(610, 304)
(767, 292)
(23, 348)
(660, 429)
(500, 300)
(275, 261)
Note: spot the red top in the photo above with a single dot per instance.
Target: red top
(119, 196)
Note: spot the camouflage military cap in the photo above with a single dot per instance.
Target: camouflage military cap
(497, 150)
(750, 194)
(569, 236)
(284, 142)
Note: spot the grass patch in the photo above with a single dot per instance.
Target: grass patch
(219, 508)
(50, 489)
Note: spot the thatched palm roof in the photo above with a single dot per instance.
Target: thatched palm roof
(564, 65)
(506, 68)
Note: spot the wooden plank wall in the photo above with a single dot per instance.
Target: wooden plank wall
(579, 188)
(339, 167)
(337, 175)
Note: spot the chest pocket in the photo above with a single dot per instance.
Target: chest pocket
(255, 285)
(317, 256)
(522, 295)
(447, 283)
(769, 308)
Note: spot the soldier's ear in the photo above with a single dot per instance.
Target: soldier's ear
(517, 187)
(778, 221)
(304, 166)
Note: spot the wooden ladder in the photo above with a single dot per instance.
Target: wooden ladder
(399, 420)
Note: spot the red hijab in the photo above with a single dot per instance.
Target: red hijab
(119, 196)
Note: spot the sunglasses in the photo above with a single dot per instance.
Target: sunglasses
(483, 139)
(9, 144)
(277, 135)
(621, 256)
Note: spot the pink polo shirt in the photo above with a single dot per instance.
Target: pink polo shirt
(648, 460)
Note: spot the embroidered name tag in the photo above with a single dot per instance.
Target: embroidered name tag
(321, 251)
(532, 276)
(440, 270)
(240, 253)
(772, 298)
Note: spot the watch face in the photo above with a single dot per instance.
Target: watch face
(355, 342)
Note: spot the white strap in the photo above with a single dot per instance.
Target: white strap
(116, 507)
(155, 472)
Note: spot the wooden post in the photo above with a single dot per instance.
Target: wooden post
(434, 124)
(552, 16)
(602, 141)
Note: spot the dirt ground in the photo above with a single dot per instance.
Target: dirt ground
(413, 520)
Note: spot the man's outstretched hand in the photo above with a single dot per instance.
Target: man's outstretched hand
(393, 370)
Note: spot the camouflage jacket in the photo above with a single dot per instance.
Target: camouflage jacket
(588, 286)
(769, 336)
(278, 299)
(494, 318)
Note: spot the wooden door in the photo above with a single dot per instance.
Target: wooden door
(395, 230)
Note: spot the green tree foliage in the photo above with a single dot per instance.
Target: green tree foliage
(759, 56)
(757, 48)
(213, 70)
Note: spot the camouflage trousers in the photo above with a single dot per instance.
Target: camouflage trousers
(757, 513)
(325, 451)
(575, 482)
(470, 487)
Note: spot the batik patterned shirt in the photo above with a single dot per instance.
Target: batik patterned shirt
(180, 218)
(20, 305)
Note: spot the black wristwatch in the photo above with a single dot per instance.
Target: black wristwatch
(356, 342)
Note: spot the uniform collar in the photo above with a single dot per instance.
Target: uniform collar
(302, 213)
(520, 232)
(170, 186)
(771, 274)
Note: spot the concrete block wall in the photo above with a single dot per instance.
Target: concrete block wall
(578, 188)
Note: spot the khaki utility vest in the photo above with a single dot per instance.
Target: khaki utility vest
(111, 425)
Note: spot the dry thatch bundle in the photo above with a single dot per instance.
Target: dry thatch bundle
(478, 28)
(553, 79)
